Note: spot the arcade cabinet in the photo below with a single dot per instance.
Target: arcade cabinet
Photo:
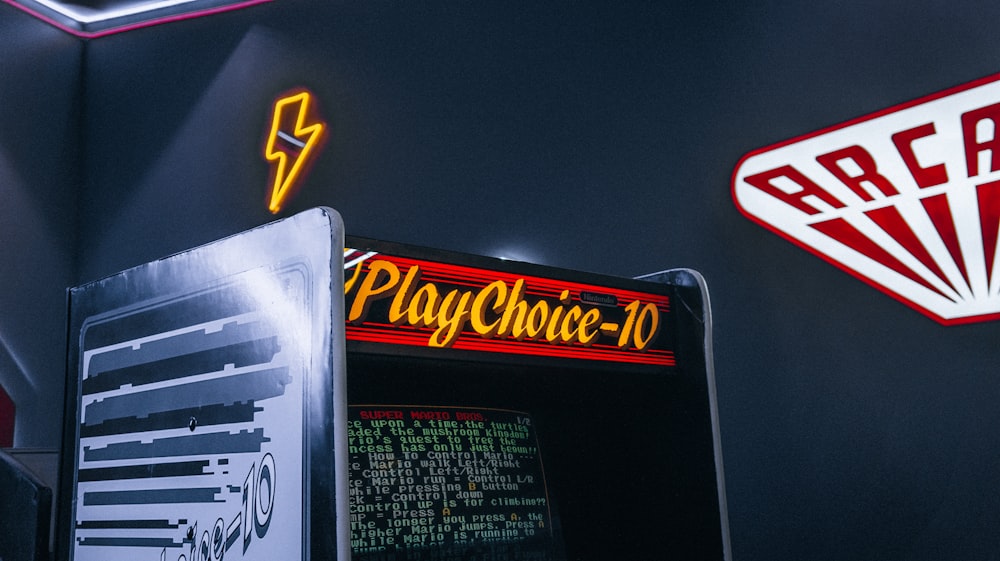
(206, 416)
(263, 397)
(24, 512)
(507, 411)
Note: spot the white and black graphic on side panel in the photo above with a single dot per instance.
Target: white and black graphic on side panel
(181, 430)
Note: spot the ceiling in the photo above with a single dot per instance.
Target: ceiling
(96, 18)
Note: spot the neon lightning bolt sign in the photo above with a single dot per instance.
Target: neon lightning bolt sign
(294, 136)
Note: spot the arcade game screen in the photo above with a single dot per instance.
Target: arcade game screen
(498, 412)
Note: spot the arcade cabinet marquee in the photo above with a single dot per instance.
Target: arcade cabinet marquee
(260, 398)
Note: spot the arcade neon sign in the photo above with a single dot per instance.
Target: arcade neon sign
(399, 300)
(906, 199)
(292, 142)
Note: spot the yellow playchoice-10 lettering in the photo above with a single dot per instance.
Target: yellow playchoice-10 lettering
(497, 310)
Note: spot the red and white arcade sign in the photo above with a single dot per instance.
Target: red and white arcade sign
(906, 199)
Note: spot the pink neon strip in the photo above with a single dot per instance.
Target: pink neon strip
(138, 25)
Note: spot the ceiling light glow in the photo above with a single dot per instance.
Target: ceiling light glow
(96, 18)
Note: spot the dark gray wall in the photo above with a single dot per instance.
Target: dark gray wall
(39, 182)
(599, 138)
